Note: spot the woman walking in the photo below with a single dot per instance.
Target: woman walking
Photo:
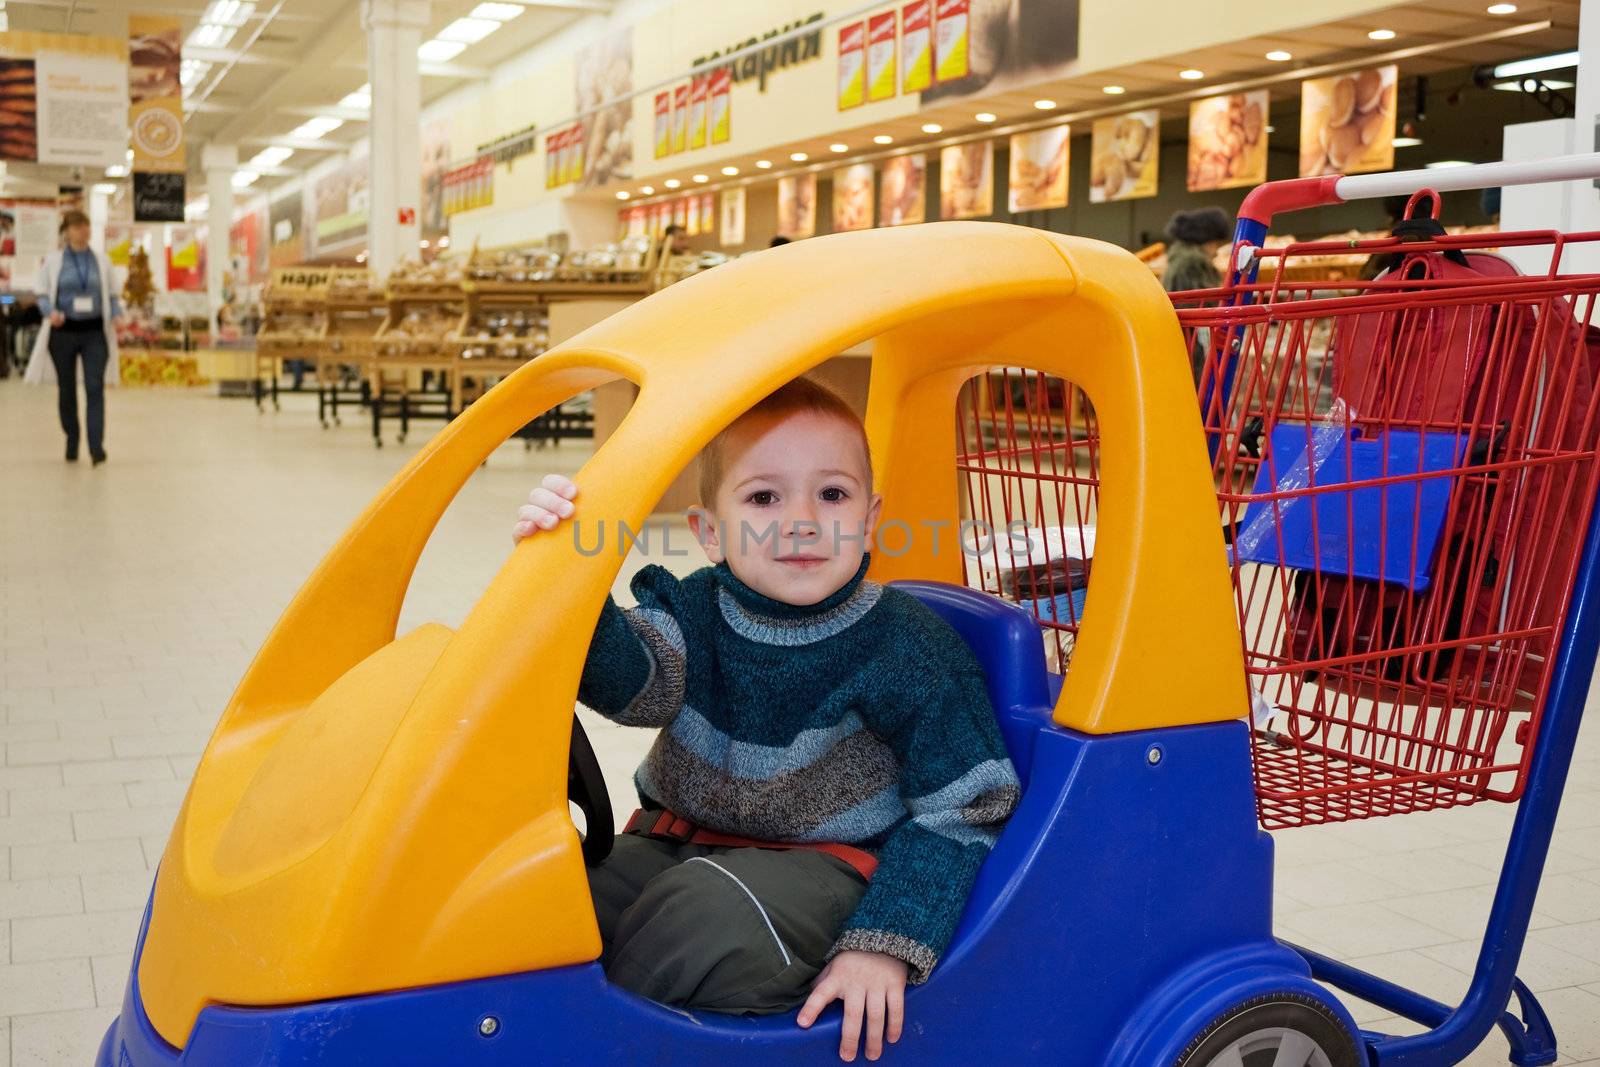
(81, 311)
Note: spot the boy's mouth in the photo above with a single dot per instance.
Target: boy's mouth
(802, 560)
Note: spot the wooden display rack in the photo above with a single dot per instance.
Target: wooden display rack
(292, 325)
(355, 313)
(394, 353)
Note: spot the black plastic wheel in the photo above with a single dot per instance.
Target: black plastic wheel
(1275, 1030)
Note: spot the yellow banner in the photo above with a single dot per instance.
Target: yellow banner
(852, 65)
(917, 43)
(155, 118)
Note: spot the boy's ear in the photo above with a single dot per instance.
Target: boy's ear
(874, 511)
(708, 531)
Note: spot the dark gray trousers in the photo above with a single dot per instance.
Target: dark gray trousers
(739, 930)
(66, 346)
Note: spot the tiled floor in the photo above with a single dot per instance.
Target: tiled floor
(132, 597)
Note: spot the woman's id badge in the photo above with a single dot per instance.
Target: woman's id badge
(82, 305)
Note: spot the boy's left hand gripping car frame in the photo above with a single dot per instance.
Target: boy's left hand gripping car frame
(375, 862)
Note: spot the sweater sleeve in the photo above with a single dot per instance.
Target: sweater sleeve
(634, 673)
(958, 787)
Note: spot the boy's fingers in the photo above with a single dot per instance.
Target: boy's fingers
(819, 999)
(561, 485)
(897, 1004)
(544, 498)
(850, 1035)
(874, 1024)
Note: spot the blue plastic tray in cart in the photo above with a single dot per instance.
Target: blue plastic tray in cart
(1387, 533)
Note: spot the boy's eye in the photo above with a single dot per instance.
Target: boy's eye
(834, 494)
(762, 498)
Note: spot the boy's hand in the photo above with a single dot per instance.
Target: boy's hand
(872, 986)
(546, 506)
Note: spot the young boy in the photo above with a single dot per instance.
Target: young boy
(838, 723)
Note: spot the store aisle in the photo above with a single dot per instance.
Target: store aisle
(132, 597)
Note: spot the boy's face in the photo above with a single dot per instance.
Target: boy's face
(794, 512)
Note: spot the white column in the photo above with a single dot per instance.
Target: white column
(99, 212)
(394, 186)
(219, 161)
(1583, 210)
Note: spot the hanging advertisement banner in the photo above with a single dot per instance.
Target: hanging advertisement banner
(708, 213)
(951, 40)
(552, 159)
(605, 143)
(119, 243)
(155, 106)
(881, 73)
(1228, 141)
(699, 89)
(692, 216)
(966, 180)
(1038, 175)
(185, 266)
(852, 197)
(852, 65)
(1347, 122)
(63, 98)
(1124, 156)
(680, 119)
(721, 104)
(663, 125)
(338, 208)
(680, 212)
(733, 214)
(916, 44)
(797, 205)
(468, 187)
(158, 196)
(905, 185)
(577, 145)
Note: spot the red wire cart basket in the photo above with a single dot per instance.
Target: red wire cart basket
(1405, 468)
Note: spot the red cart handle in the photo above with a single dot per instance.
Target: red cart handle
(1272, 198)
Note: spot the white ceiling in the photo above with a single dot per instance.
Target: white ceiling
(290, 60)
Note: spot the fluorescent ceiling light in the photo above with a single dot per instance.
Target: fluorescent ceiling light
(498, 12)
(672, 183)
(195, 208)
(1516, 85)
(437, 51)
(468, 30)
(1502, 9)
(1517, 68)
(210, 35)
(229, 12)
(117, 170)
(883, 138)
(838, 147)
(271, 157)
(932, 127)
(243, 179)
(702, 177)
(646, 190)
(622, 194)
(360, 100)
(1191, 74)
(1381, 35)
(1045, 105)
(192, 70)
(1407, 142)
(730, 171)
(764, 164)
(1278, 55)
(985, 116)
(105, 188)
(1441, 164)
(1113, 90)
(315, 128)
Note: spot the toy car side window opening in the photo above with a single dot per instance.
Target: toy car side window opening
(1028, 465)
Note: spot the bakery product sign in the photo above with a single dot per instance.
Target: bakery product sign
(155, 116)
(1347, 122)
(1228, 141)
(1124, 156)
(63, 98)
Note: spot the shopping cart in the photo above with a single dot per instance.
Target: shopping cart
(1406, 476)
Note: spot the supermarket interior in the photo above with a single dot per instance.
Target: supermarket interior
(323, 322)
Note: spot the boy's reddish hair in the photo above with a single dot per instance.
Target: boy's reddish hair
(799, 395)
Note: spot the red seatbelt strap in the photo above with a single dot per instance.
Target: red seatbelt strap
(664, 824)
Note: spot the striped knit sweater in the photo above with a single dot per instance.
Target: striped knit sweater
(862, 719)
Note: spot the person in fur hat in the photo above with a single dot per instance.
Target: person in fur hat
(1193, 238)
